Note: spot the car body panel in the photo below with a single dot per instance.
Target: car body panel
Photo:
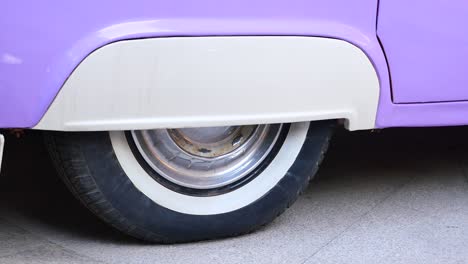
(427, 49)
(44, 41)
(440, 27)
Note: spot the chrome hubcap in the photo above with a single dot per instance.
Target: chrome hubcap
(206, 158)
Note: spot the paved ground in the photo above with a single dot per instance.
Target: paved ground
(397, 196)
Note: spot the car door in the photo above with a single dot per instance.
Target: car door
(426, 44)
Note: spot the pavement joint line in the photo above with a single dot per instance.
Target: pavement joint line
(397, 189)
(48, 241)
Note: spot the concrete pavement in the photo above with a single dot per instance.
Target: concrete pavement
(397, 196)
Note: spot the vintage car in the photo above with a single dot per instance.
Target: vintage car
(182, 120)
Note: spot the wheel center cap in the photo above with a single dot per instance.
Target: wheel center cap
(212, 142)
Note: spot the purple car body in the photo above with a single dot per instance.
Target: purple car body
(208, 118)
(422, 46)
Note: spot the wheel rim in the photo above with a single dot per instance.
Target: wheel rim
(206, 158)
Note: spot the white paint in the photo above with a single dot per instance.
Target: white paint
(214, 204)
(2, 143)
(214, 81)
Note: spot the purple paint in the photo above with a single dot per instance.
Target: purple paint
(427, 49)
(41, 42)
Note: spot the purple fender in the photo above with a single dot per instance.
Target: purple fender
(43, 41)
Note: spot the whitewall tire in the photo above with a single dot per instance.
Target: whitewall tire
(107, 173)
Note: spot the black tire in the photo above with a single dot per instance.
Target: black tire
(88, 164)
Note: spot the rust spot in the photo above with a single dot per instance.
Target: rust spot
(18, 132)
(204, 150)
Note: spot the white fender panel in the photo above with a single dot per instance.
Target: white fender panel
(2, 143)
(216, 81)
